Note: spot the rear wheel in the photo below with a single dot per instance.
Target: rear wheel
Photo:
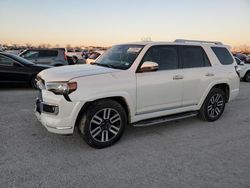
(103, 124)
(213, 106)
(247, 76)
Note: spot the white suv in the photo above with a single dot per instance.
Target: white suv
(137, 83)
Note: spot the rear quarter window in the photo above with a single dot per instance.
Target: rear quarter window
(223, 55)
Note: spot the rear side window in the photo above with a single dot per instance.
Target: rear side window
(48, 53)
(194, 56)
(223, 55)
(165, 56)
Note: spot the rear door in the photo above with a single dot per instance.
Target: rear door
(160, 90)
(47, 56)
(197, 72)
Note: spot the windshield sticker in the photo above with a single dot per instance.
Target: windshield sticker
(133, 50)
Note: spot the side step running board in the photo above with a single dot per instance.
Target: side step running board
(164, 119)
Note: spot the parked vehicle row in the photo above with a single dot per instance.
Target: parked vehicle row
(142, 84)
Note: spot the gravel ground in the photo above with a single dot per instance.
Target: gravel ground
(185, 153)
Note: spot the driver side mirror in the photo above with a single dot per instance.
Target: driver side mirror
(149, 66)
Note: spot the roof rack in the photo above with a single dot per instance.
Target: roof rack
(198, 41)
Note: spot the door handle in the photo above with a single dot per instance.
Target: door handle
(209, 74)
(178, 77)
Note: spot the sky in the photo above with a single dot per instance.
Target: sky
(108, 22)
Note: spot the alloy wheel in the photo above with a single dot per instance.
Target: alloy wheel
(215, 105)
(105, 125)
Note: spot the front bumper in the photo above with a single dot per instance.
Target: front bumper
(56, 114)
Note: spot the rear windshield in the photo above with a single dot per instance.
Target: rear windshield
(223, 55)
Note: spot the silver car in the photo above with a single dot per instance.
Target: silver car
(54, 57)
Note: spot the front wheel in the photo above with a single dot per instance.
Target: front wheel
(104, 123)
(213, 105)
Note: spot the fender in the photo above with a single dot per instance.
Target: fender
(127, 98)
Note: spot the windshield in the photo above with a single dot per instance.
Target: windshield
(120, 56)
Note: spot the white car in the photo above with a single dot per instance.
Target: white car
(75, 54)
(140, 84)
(94, 56)
(244, 69)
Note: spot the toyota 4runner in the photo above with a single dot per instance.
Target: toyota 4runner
(141, 84)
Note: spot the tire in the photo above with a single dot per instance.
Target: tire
(213, 106)
(247, 77)
(103, 123)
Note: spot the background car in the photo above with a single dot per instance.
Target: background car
(17, 70)
(75, 54)
(244, 69)
(54, 57)
(94, 56)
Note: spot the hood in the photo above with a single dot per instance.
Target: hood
(69, 72)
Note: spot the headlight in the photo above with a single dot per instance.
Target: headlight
(61, 88)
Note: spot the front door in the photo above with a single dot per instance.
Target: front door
(160, 90)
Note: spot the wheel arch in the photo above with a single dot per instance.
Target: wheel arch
(224, 87)
(119, 99)
(221, 85)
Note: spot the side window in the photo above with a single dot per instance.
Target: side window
(48, 53)
(194, 56)
(6, 61)
(223, 55)
(30, 54)
(165, 56)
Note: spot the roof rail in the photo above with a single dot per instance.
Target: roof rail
(198, 41)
